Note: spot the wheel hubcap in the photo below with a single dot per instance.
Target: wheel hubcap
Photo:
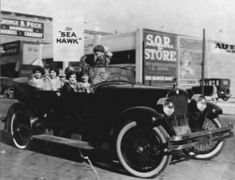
(139, 150)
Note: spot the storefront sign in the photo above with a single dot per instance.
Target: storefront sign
(160, 57)
(68, 37)
(190, 59)
(22, 28)
(11, 49)
(216, 47)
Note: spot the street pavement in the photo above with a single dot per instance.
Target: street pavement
(228, 107)
(48, 162)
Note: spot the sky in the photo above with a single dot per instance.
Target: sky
(186, 17)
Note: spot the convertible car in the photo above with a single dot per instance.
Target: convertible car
(141, 125)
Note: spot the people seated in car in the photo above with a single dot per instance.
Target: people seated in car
(85, 83)
(36, 79)
(66, 72)
(52, 82)
(71, 85)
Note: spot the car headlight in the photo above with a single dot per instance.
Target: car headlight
(201, 103)
(168, 107)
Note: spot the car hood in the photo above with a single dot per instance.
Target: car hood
(133, 95)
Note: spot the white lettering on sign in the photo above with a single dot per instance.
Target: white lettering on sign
(159, 78)
(165, 55)
(10, 32)
(30, 34)
(20, 28)
(34, 25)
(10, 22)
(148, 77)
(158, 41)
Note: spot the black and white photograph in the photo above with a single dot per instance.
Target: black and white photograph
(117, 89)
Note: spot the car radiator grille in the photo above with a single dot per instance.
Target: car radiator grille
(180, 103)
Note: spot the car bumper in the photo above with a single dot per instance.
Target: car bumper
(190, 140)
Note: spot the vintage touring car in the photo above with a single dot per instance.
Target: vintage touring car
(142, 125)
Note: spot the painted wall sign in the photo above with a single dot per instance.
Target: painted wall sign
(190, 59)
(160, 57)
(22, 28)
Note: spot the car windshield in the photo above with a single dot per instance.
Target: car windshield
(102, 74)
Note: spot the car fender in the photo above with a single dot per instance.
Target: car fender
(144, 116)
(212, 110)
(15, 107)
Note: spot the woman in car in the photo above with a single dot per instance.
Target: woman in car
(66, 72)
(52, 82)
(85, 82)
(36, 79)
(71, 85)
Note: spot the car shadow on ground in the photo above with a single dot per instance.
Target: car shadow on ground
(179, 156)
(99, 159)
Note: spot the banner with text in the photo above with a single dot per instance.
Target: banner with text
(221, 48)
(160, 57)
(190, 59)
(22, 28)
(68, 36)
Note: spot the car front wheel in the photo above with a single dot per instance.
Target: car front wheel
(225, 98)
(20, 130)
(209, 150)
(142, 151)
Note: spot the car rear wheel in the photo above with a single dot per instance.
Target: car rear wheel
(141, 151)
(20, 130)
(209, 150)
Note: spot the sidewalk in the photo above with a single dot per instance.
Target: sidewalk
(228, 107)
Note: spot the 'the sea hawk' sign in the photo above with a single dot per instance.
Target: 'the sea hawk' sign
(68, 36)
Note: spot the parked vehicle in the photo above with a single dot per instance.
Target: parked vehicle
(142, 125)
(222, 88)
(7, 89)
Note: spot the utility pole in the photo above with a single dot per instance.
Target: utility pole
(203, 60)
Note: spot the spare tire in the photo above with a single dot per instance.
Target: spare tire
(227, 92)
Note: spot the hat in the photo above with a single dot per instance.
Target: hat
(99, 48)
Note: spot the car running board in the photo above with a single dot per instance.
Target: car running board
(65, 141)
